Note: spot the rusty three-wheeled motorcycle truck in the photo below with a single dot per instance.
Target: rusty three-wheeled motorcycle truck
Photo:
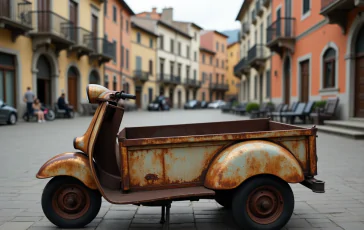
(246, 166)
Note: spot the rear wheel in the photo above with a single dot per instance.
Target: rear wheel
(68, 203)
(50, 116)
(12, 119)
(263, 202)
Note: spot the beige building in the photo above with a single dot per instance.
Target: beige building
(254, 67)
(53, 47)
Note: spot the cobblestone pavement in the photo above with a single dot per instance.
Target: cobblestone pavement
(26, 146)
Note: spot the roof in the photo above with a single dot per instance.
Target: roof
(207, 50)
(245, 5)
(215, 31)
(140, 27)
(233, 43)
(126, 6)
(193, 24)
(173, 28)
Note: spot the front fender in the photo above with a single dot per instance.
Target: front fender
(241, 161)
(69, 164)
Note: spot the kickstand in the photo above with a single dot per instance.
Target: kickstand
(165, 216)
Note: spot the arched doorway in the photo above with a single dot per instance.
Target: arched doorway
(94, 77)
(44, 80)
(72, 83)
(286, 80)
(359, 74)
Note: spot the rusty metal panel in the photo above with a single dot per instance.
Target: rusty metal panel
(299, 148)
(312, 156)
(68, 164)
(170, 166)
(246, 159)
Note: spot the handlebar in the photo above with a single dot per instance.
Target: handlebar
(122, 95)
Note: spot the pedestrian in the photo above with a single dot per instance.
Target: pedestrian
(29, 97)
(37, 107)
(63, 105)
(161, 101)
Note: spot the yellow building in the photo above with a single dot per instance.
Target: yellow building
(53, 46)
(143, 63)
(233, 58)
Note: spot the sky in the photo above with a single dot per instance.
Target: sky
(209, 14)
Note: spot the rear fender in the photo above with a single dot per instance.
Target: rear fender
(69, 164)
(241, 161)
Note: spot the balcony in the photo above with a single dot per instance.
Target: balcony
(266, 3)
(281, 35)
(241, 68)
(254, 17)
(336, 11)
(259, 8)
(102, 50)
(219, 87)
(257, 56)
(15, 17)
(192, 83)
(169, 79)
(51, 28)
(141, 76)
(81, 39)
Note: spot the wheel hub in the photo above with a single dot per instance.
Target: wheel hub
(71, 201)
(265, 205)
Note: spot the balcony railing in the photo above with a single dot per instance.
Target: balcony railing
(102, 47)
(281, 28)
(246, 28)
(169, 78)
(258, 51)
(16, 10)
(193, 83)
(254, 17)
(50, 23)
(141, 75)
(219, 86)
(238, 68)
(259, 7)
(81, 37)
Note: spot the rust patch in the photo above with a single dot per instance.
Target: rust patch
(68, 164)
(151, 178)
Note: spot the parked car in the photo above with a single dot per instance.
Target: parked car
(8, 114)
(204, 104)
(193, 104)
(154, 106)
(216, 104)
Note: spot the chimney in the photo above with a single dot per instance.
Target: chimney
(154, 10)
(167, 14)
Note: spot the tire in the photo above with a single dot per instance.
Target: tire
(63, 187)
(224, 198)
(12, 119)
(50, 116)
(263, 190)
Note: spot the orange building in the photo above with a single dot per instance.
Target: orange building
(118, 73)
(319, 52)
(233, 58)
(207, 70)
(217, 42)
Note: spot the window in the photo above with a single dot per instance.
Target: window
(223, 48)
(114, 13)
(126, 87)
(139, 38)
(127, 59)
(151, 42)
(210, 77)
(114, 83)
(268, 84)
(151, 67)
(256, 87)
(105, 8)
(203, 77)
(179, 48)
(217, 46)
(195, 36)
(188, 51)
(122, 56)
(203, 58)
(306, 6)
(138, 63)
(127, 25)
(231, 54)
(161, 39)
(222, 63)
(187, 72)
(115, 45)
(106, 81)
(172, 46)
(194, 74)
(329, 68)
(210, 60)
(217, 62)
(195, 56)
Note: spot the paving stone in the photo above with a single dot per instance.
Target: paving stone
(16, 225)
(113, 225)
(126, 215)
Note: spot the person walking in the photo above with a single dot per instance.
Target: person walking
(29, 98)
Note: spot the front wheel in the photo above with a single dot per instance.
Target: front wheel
(68, 203)
(50, 116)
(12, 119)
(263, 202)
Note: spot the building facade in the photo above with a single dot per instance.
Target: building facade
(217, 42)
(118, 72)
(254, 67)
(48, 46)
(233, 81)
(143, 65)
(319, 49)
(207, 71)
